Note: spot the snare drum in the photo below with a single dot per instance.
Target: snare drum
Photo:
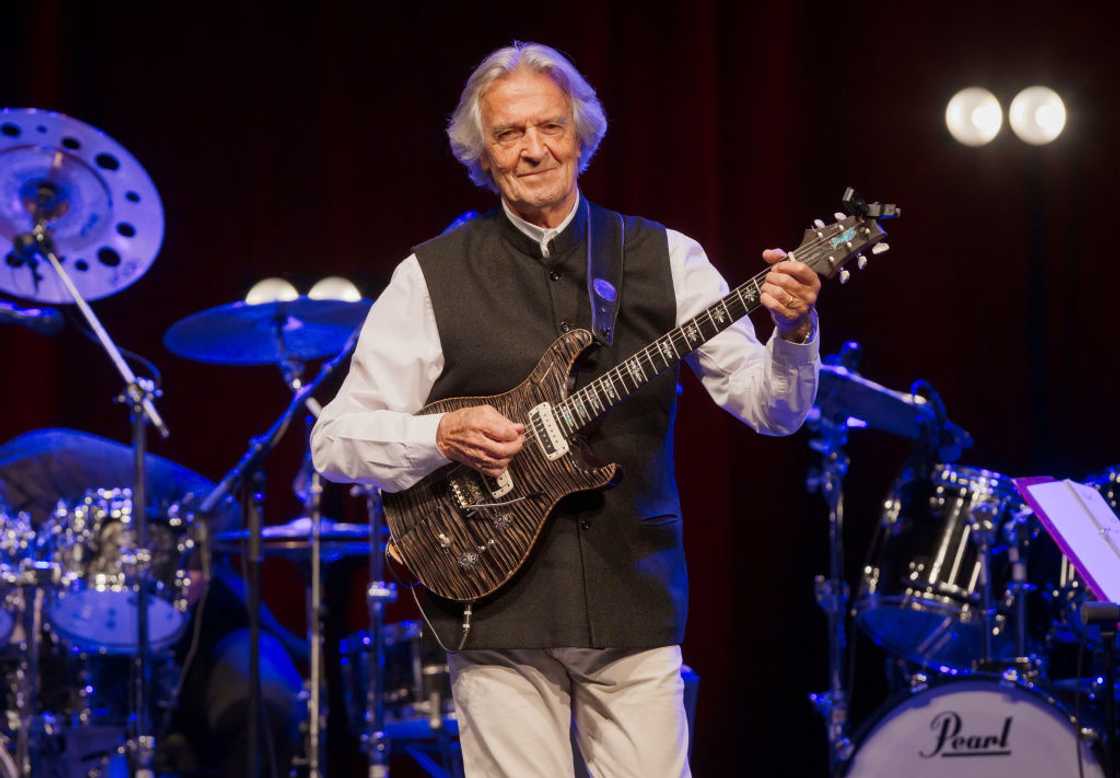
(920, 594)
(94, 544)
(980, 727)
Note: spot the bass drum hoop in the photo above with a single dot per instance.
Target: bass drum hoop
(976, 681)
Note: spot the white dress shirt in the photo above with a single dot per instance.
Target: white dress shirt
(369, 434)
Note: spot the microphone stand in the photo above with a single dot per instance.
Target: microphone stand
(138, 394)
(251, 467)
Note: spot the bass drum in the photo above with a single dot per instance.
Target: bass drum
(980, 727)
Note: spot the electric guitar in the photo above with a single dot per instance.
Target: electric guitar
(463, 534)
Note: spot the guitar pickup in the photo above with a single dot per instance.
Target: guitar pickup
(549, 437)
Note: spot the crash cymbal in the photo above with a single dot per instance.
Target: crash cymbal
(98, 203)
(302, 329)
(294, 539)
(39, 468)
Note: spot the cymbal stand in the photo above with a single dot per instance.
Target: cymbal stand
(315, 628)
(139, 395)
(831, 435)
(32, 578)
(982, 527)
(378, 594)
(250, 470)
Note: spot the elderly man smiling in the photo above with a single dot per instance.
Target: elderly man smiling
(588, 632)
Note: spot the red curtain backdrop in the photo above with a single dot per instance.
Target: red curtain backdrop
(304, 141)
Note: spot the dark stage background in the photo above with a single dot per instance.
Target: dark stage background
(303, 141)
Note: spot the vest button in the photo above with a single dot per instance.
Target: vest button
(554, 276)
(585, 524)
(565, 327)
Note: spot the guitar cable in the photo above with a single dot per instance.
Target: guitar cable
(468, 609)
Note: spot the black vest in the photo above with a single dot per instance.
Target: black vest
(609, 568)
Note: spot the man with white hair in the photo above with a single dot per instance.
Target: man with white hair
(588, 632)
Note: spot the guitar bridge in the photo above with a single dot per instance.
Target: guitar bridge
(471, 489)
(549, 437)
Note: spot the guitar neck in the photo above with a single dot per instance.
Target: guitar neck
(608, 390)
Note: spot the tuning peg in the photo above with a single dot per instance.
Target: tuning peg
(844, 276)
(840, 216)
(880, 248)
(818, 223)
(861, 261)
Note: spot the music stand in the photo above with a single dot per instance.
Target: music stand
(1087, 531)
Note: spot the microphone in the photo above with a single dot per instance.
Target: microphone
(47, 321)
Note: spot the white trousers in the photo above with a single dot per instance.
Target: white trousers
(517, 708)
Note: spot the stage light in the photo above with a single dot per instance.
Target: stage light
(335, 288)
(974, 116)
(1037, 115)
(270, 290)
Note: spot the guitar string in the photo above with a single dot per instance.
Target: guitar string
(619, 371)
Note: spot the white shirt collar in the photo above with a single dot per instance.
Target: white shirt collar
(542, 235)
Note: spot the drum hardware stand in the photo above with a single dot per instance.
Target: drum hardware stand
(378, 594)
(139, 395)
(983, 532)
(315, 628)
(249, 472)
(832, 593)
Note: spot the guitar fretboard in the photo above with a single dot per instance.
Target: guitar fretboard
(625, 378)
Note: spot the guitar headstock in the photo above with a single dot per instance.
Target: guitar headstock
(827, 248)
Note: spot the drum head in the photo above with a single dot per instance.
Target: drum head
(107, 620)
(976, 727)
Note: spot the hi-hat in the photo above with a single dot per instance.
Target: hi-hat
(101, 208)
(293, 539)
(268, 333)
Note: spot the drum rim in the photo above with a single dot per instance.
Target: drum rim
(997, 680)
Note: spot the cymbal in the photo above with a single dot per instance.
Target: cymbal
(101, 208)
(293, 539)
(239, 333)
(39, 468)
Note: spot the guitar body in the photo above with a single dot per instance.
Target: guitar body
(443, 528)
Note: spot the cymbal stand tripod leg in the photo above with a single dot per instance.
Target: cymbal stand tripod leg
(832, 593)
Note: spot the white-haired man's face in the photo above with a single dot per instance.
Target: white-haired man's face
(532, 148)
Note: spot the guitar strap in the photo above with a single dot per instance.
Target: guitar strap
(606, 241)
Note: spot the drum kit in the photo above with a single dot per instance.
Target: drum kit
(974, 604)
(105, 549)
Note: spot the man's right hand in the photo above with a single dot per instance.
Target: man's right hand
(481, 438)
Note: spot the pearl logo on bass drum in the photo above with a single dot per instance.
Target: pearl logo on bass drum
(951, 742)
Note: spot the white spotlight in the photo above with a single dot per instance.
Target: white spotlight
(335, 288)
(1037, 115)
(974, 116)
(270, 290)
